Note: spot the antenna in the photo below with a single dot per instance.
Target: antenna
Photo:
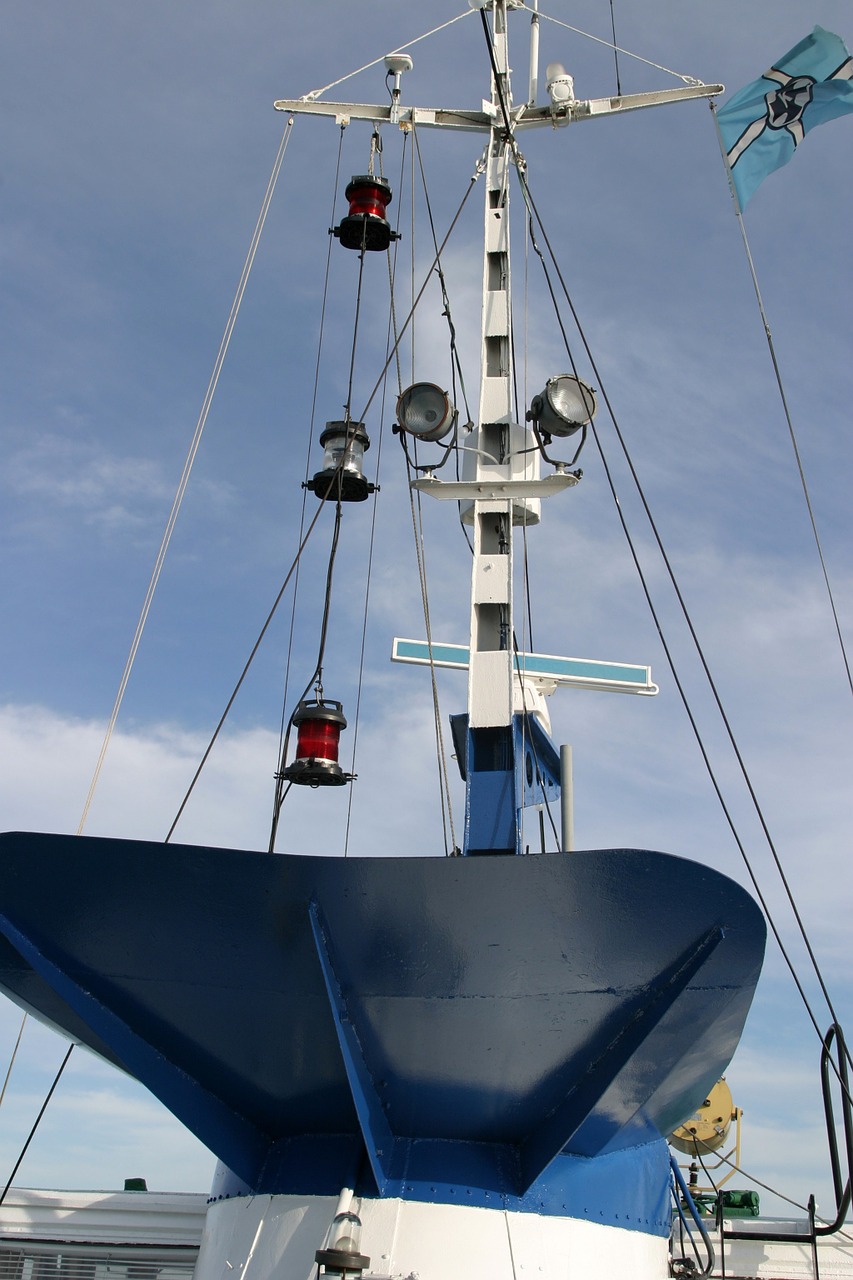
(395, 65)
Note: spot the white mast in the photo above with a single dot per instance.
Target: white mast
(496, 448)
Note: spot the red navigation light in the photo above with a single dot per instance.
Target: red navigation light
(318, 738)
(366, 226)
(319, 725)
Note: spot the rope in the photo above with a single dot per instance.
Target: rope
(348, 406)
(520, 169)
(691, 80)
(12, 1059)
(478, 170)
(765, 1186)
(420, 554)
(32, 1132)
(416, 513)
(615, 50)
(372, 542)
(316, 677)
(408, 44)
(455, 361)
(777, 373)
(249, 660)
(188, 465)
(284, 724)
(700, 653)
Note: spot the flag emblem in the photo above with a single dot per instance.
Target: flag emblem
(762, 126)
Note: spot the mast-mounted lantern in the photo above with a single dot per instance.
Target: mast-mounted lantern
(341, 479)
(565, 405)
(426, 412)
(340, 1255)
(365, 226)
(319, 724)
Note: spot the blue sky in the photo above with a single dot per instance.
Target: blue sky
(136, 146)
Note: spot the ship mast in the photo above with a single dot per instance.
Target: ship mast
(506, 756)
(492, 450)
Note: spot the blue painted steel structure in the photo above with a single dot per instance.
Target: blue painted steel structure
(515, 1032)
(505, 770)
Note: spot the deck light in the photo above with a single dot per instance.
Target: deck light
(341, 479)
(566, 405)
(319, 725)
(365, 226)
(340, 1253)
(425, 411)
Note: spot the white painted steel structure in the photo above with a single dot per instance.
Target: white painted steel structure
(278, 1235)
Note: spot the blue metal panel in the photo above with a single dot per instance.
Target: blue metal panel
(378, 1138)
(581, 1109)
(538, 768)
(490, 812)
(488, 999)
(627, 1189)
(183, 1095)
(505, 771)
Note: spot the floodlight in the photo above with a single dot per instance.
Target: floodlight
(425, 411)
(566, 405)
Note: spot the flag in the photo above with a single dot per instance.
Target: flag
(762, 126)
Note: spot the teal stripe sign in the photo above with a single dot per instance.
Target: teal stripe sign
(584, 673)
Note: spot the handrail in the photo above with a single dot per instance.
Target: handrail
(842, 1193)
(696, 1216)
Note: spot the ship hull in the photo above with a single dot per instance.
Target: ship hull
(278, 1236)
(486, 1024)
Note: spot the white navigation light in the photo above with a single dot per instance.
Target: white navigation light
(340, 1256)
(341, 480)
(560, 85)
(566, 405)
(425, 411)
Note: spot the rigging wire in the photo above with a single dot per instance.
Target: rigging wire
(521, 170)
(416, 513)
(615, 50)
(408, 44)
(765, 1186)
(252, 654)
(372, 539)
(361, 258)
(12, 1059)
(689, 80)
(316, 677)
(38, 1120)
(777, 373)
(420, 555)
(188, 464)
(699, 651)
(282, 790)
(309, 448)
(455, 359)
(479, 169)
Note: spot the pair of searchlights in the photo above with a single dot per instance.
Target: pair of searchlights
(424, 411)
(564, 406)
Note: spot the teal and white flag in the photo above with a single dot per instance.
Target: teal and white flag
(762, 126)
